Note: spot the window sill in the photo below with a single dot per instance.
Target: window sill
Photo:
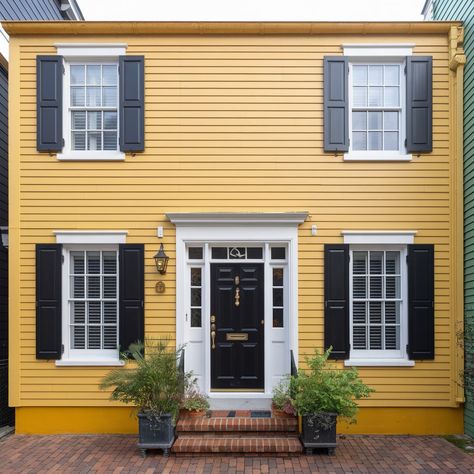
(89, 363)
(91, 156)
(377, 157)
(379, 363)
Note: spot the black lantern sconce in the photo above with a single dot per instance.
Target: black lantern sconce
(161, 260)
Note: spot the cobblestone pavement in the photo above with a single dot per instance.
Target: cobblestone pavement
(118, 454)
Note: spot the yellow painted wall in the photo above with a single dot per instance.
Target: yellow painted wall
(233, 123)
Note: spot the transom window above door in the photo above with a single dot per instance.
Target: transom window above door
(377, 98)
(93, 106)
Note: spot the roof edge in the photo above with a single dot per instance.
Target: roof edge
(223, 28)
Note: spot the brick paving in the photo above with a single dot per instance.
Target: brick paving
(119, 454)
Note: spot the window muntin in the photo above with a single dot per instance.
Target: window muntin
(93, 106)
(376, 107)
(377, 302)
(93, 300)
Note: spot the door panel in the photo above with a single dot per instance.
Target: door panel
(237, 364)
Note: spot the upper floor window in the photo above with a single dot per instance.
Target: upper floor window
(377, 110)
(90, 102)
(93, 106)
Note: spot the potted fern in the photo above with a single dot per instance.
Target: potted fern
(320, 395)
(155, 385)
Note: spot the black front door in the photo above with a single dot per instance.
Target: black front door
(237, 316)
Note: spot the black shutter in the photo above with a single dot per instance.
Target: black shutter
(336, 300)
(132, 291)
(336, 104)
(419, 103)
(48, 301)
(49, 100)
(421, 302)
(132, 103)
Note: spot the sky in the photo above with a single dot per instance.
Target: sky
(253, 10)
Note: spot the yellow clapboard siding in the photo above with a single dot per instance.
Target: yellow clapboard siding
(233, 124)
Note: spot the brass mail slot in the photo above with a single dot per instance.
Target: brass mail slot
(237, 336)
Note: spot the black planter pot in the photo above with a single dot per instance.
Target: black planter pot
(155, 432)
(319, 431)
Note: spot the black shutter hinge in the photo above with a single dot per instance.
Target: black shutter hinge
(62, 348)
(62, 258)
(63, 142)
(407, 259)
(142, 303)
(406, 142)
(405, 69)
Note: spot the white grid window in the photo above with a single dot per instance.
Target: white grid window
(376, 115)
(93, 103)
(93, 300)
(376, 300)
(196, 297)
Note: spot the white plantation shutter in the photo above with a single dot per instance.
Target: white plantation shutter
(376, 300)
(94, 300)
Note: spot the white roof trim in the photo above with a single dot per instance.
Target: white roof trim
(380, 49)
(90, 236)
(237, 218)
(377, 237)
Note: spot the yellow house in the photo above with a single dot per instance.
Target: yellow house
(305, 180)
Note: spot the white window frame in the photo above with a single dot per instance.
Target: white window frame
(379, 54)
(79, 53)
(85, 240)
(386, 240)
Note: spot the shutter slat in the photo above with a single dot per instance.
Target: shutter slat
(132, 294)
(132, 103)
(419, 104)
(421, 329)
(336, 104)
(48, 301)
(336, 300)
(49, 103)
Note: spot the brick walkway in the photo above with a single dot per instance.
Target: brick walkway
(355, 454)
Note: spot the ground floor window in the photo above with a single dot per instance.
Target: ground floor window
(378, 302)
(91, 309)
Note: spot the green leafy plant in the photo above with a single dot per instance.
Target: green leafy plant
(283, 395)
(195, 401)
(324, 388)
(154, 383)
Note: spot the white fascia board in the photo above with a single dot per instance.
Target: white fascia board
(90, 236)
(380, 49)
(237, 218)
(378, 237)
(85, 50)
(4, 43)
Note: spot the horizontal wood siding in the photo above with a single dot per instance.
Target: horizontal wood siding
(235, 124)
(463, 10)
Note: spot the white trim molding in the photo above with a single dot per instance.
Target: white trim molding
(91, 155)
(380, 49)
(90, 363)
(90, 236)
(70, 50)
(237, 218)
(379, 237)
(379, 363)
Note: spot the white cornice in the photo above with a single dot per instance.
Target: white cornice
(400, 237)
(79, 50)
(378, 49)
(237, 218)
(90, 236)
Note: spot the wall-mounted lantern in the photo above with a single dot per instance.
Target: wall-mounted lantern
(161, 260)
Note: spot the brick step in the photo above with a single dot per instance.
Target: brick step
(239, 424)
(250, 444)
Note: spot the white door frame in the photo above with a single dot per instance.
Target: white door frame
(233, 228)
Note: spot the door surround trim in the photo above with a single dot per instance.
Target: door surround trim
(268, 231)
